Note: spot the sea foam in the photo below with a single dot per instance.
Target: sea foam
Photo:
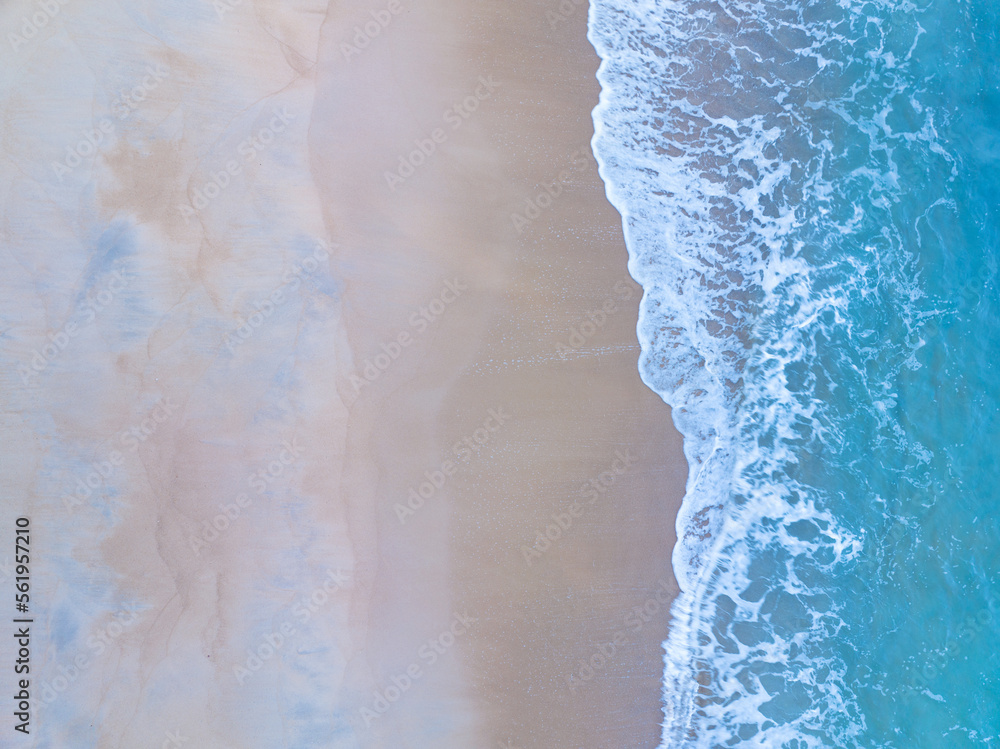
(753, 150)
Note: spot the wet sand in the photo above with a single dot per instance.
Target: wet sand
(557, 656)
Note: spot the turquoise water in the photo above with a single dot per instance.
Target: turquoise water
(811, 200)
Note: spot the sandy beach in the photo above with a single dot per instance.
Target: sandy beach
(510, 206)
(336, 339)
(356, 453)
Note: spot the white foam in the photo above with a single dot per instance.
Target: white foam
(693, 136)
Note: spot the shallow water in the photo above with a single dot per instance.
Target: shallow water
(809, 199)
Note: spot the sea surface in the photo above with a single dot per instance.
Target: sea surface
(811, 201)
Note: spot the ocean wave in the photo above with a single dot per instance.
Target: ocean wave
(753, 152)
